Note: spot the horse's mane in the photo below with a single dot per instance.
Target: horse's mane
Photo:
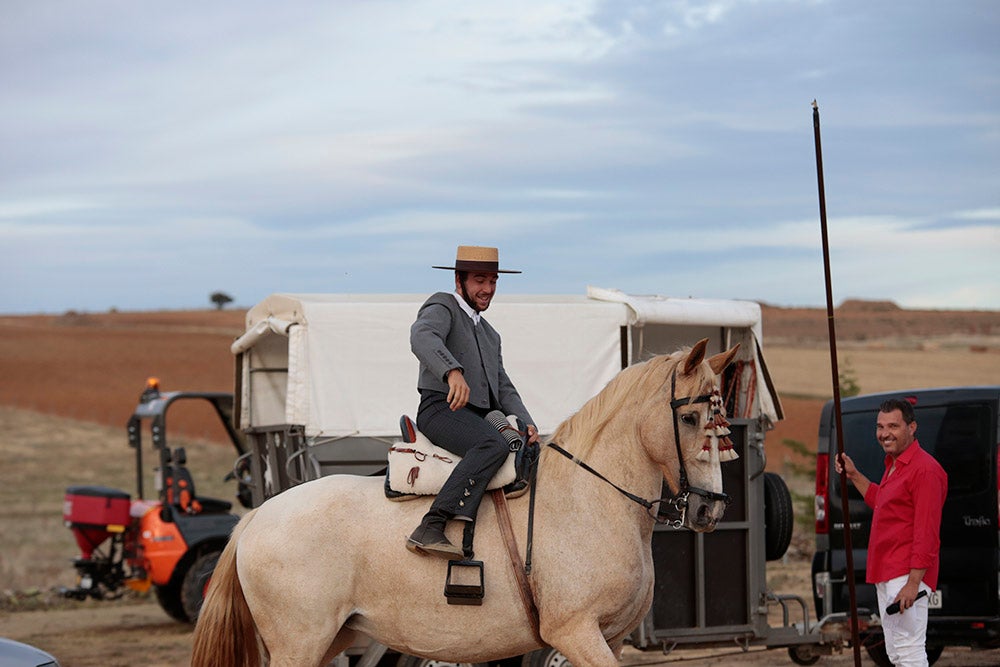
(585, 427)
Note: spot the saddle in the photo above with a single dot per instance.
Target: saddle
(417, 467)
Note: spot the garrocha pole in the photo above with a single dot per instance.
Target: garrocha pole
(835, 371)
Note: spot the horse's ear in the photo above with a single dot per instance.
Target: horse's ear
(695, 356)
(723, 359)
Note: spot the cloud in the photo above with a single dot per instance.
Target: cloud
(653, 147)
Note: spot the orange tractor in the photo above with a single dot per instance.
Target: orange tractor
(170, 543)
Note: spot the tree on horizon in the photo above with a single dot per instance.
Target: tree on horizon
(220, 299)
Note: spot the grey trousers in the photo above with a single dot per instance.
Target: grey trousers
(464, 432)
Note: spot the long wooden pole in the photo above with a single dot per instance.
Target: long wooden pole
(835, 372)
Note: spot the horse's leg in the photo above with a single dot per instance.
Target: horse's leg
(581, 641)
(301, 646)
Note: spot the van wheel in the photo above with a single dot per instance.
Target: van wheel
(195, 583)
(779, 517)
(545, 657)
(876, 651)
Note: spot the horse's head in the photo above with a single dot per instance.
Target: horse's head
(689, 439)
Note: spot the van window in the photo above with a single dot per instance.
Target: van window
(958, 436)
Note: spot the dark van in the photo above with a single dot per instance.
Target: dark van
(959, 427)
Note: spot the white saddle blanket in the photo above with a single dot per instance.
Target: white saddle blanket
(422, 468)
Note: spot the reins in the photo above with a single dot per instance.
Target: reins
(678, 502)
(648, 504)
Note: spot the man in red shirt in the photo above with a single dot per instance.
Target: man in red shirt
(905, 535)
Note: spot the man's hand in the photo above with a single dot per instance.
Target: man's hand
(532, 434)
(907, 596)
(843, 463)
(458, 390)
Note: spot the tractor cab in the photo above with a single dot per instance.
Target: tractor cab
(173, 479)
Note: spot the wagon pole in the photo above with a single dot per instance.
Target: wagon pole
(835, 372)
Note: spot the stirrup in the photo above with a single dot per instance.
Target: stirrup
(465, 583)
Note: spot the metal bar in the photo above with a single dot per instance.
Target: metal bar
(835, 372)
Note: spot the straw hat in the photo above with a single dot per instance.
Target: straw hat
(478, 259)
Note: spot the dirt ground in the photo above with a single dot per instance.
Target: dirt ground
(140, 634)
(68, 384)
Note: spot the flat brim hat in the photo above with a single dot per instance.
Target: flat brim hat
(478, 259)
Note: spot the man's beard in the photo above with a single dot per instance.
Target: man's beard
(467, 298)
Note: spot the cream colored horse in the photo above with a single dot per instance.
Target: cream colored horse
(323, 561)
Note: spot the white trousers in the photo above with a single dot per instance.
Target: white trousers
(905, 632)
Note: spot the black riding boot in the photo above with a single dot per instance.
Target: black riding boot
(429, 537)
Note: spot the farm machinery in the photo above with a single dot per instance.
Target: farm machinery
(170, 543)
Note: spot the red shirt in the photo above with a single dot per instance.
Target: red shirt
(906, 525)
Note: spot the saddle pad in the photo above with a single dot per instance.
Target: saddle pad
(422, 468)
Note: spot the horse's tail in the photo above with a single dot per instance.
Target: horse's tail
(225, 635)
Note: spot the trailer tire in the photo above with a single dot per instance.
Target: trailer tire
(779, 517)
(169, 597)
(195, 583)
(413, 661)
(804, 654)
(545, 657)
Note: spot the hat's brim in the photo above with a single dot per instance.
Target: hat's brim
(475, 267)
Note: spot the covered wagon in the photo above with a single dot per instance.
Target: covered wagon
(322, 381)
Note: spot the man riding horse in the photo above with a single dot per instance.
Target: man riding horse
(461, 379)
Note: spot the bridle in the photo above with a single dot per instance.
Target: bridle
(676, 506)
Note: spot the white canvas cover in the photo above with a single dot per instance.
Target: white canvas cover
(340, 365)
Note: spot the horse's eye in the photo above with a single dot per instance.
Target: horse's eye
(690, 418)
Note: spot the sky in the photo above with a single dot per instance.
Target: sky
(154, 153)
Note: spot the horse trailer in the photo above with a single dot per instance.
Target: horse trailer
(323, 379)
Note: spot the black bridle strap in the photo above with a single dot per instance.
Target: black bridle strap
(631, 496)
(683, 485)
(682, 477)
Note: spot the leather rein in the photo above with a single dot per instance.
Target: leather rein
(677, 503)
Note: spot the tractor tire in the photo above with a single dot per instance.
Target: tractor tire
(545, 657)
(779, 517)
(413, 661)
(169, 597)
(195, 583)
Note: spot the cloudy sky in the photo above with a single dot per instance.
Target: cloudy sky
(152, 153)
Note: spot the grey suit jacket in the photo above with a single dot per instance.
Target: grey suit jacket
(444, 337)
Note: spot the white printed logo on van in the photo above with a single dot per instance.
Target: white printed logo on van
(977, 521)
